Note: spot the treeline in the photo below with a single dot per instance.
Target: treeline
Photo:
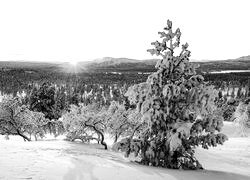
(222, 80)
(17, 80)
(14, 80)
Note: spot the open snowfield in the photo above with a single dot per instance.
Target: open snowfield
(58, 159)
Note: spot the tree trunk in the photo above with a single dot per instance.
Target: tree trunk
(18, 132)
(23, 136)
(117, 135)
(98, 141)
(7, 137)
(130, 139)
(101, 134)
(102, 140)
(116, 138)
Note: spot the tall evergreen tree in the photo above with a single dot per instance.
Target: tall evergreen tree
(44, 99)
(177, 106)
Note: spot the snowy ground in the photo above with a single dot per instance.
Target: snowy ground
(58, 159)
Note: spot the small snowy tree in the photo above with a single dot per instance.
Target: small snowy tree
(177, 106)
(242, 118)
(121, 121)
(83, 122)
(33, 122)
(228, 108)
(17, 119)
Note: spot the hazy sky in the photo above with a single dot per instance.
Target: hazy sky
(59, 30)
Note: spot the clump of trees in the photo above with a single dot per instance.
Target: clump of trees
(177, 107)
(93, 121)
(34, 115)
(17, 119)
(46, 110)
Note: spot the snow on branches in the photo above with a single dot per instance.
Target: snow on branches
(177, 106)
(85, 123)
(17, 119)
(242, 118)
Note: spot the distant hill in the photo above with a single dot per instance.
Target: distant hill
(112, 61)
(131, 65)
(26, 64)
(245, 58)
(125, 65)
(242, 63)
(108, 64)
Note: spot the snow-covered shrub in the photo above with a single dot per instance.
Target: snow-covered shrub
(242, 118)
(17, 119)
(34, 123)
(56, 127)
(228, 108)
(85, 123)
(177, 107)
(121, 121)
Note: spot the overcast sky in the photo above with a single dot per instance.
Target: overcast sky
(59, 30)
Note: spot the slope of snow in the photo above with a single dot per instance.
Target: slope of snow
(232, 130)
(233, 156)
(58, 159)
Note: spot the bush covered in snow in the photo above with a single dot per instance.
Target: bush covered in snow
(85, 123)
(242, 117)
(121, 121)
(17, 119)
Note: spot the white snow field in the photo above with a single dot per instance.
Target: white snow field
(58, 159)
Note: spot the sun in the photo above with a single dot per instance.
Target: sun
(73, 63)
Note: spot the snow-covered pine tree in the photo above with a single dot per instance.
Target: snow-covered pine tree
(177, 106)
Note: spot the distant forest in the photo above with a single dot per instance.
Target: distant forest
(109, 79)
(18, 80)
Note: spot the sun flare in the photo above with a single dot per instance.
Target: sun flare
(73, 63)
